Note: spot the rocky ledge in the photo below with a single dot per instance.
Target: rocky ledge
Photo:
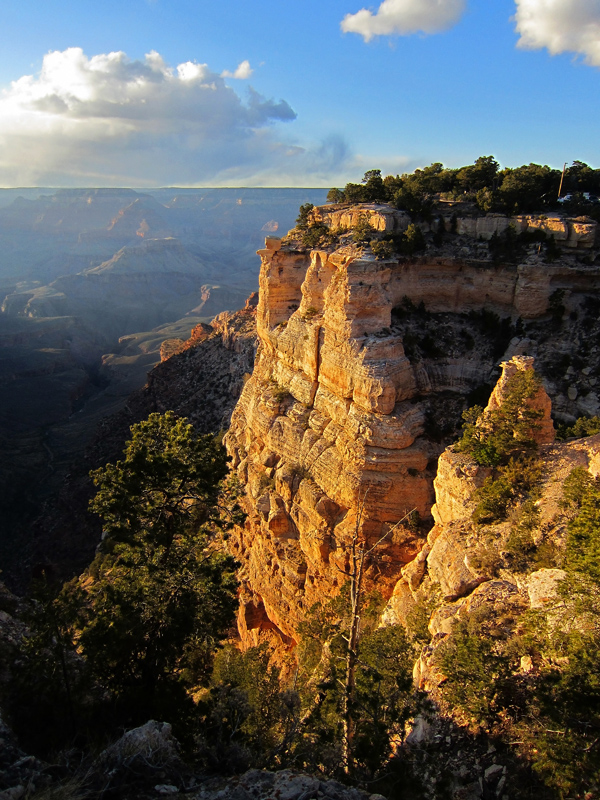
(333, 431)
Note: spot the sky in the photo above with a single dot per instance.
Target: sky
(147, 93)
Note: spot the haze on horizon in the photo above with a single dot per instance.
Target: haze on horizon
(152, 93)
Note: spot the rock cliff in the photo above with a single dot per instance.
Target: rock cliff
(496, 570)
(363, 369)
(578, 233)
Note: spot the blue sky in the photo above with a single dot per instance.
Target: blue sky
(328, 91)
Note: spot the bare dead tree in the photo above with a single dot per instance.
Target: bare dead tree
(360, 551)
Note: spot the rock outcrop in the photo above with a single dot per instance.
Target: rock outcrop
(542, 432)
(468, 568)
(331, 431)
(577, 233)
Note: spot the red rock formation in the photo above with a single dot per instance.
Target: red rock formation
(332, 418)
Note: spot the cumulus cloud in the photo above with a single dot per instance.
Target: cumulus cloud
(404, 17)
(560, 26)
(242, 73)
(108, 120)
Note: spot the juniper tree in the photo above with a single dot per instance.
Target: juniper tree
(149, 611)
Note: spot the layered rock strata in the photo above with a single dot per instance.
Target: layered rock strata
(329, 432)
(467, 568)
(577, 233)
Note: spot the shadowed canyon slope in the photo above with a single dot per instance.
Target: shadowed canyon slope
(91, 283)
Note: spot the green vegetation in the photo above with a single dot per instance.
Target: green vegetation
(382, 249)
(412, 240)
(526, 189)
(303, 215)
(582, 492)
(279, 392)
(491, 437)
(551, 713)
(521, 545)
(317, 235)
(477, 668)
(510, 483)
(564, 712)
(249, 718)
(510, 246)
(314, 234)
(245, 718)
(134, 635)
(481, 187)
(503, 438)
(584, 426)
(382, 698)
(362, 232)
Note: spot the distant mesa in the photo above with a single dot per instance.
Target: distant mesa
(271, 226)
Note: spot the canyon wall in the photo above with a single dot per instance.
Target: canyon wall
(330, 435)
(480, 569)
(577, 233)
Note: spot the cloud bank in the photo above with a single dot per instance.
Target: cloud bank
(404, 17)
(560, 26)
(107, 120)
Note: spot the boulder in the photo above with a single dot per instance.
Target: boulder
(543, 586)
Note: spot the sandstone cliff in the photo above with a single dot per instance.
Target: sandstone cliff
(572, 232)
(493, 571)
(363, 369)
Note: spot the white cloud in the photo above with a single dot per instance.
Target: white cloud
(560, 26)
(107, 120)
(242, 73)
(404, 17)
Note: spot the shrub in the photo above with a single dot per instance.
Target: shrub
(382, 249)
(489, 437)
(477, 669)
(511, 483)
(301, 473)
(363, 231)
(310, 312)
(244, 716)
(553, 251)
(575, 488)
(583, 539)
(279, 393)
(265, 483)
(302, 219)
(493, 500)
(520, 544)
(438, 236)
(429, 347)
(584, 426)
(413, 240)
(555, 305)
(486, 559)
(316, 235)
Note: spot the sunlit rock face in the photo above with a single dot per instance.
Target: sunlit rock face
(330, 433)
(468, 569)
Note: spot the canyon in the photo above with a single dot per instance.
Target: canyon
(92, 282)
(339, 389)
